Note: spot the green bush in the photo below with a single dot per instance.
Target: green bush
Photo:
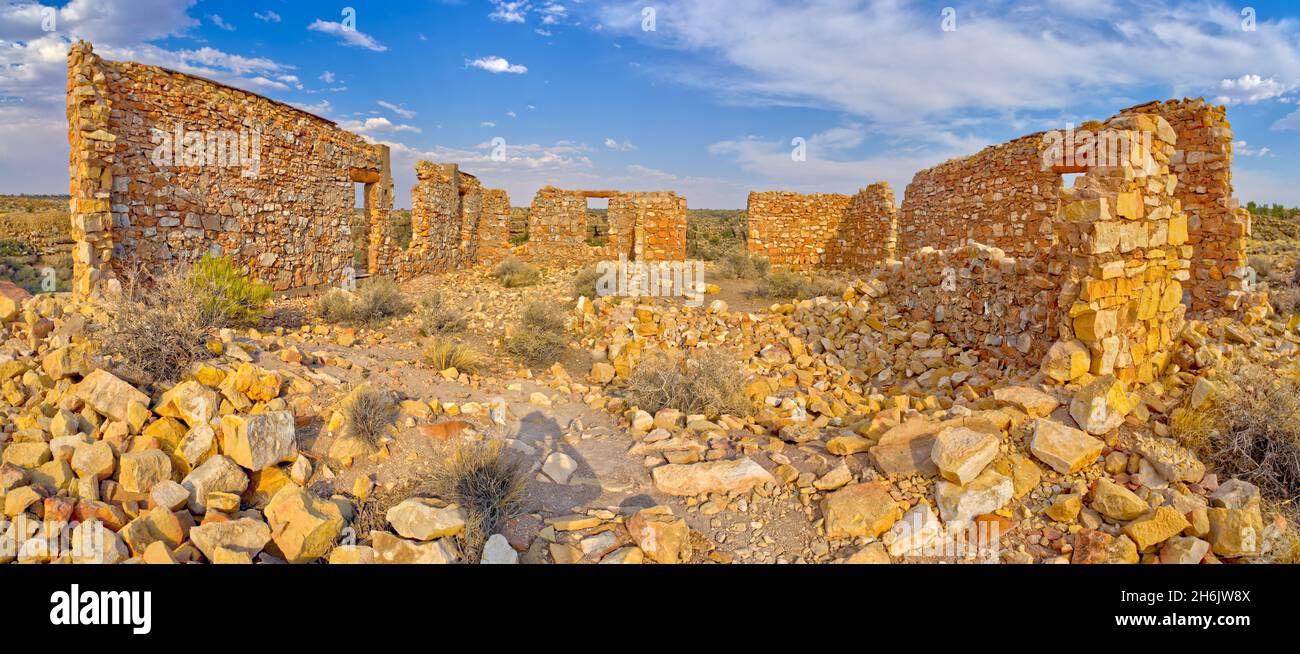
(740, 263)
(374, 303)
(228, 291)
(784, 284)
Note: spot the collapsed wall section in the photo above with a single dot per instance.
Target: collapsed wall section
(166, 167)
(1001, 196)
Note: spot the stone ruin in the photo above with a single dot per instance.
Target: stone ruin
(166, 167)
(828, 230)
(992, 248)
(642, 226)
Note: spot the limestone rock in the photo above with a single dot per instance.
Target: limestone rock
(109, 395)
(1157, 527)
(424, 520)
(1116, 502)
(1235, 532)
(94, 460)
(245, 535)
(1065, 508)
(303, 526)
(959, 504)
(1032, 401)
(661, 535)
(961, 453)
(917, 528)
(560, 467)
(393, 549)
(1173, 461)
(217, 475)
(1066, 449)
(712, 477)
(1184, 550)
(498, 550)
(259, 441)
(1092, 546)
(189, 401)
(141, 470)
(1100, 406)
(864, 509)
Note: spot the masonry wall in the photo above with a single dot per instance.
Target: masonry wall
(1000, 196)
(643, 226)
(287, 219)
(824, 230)
(655, 223)
(494, 227)
(1217, 226)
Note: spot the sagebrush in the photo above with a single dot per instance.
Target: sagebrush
(368, 412)
(488, 485)
(158, 326)
(513, 273)
(229, 290)
(711, 382)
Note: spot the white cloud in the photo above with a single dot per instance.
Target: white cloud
(509, 12)
(220, 22)
(625, 146)
(512, 114)
(890, 61)
(268, 17)
(327, 77)
(320, 108)
(377, 125)
(497, 65)
(397, 109)
(1244, 149)
(1249, 89)
(1289, 121)
(487, 123)
(349, 36)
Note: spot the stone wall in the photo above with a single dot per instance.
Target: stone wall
(166, 167)
(1000, 196)
(1217, 226)
(494, 227)
(642, 226)
(824, 230)
(655, 222)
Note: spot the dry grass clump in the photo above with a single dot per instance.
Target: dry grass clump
(437, 318)
(513, 273)
(712, 383)
(1250, 430)
(784, 284)
(442, 353)
(584, 285)
(375, 302)
(487, 484)
(740, 263)
(369, 412)
(158, 327)
(539, 339)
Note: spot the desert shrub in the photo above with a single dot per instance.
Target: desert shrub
(1286, 299)
(335, 306)
(740, 263)
(711, 383)
(10, 247)
(442, 353)
(539, 339)
(584, 285)
(158, 328)
(487, 485)
(518, 239)
(228, 290)
(1263, 265)
(374, 303)
(1249, 430)
(513, 273)
(368, 413)
(785, 284)
(437, 318)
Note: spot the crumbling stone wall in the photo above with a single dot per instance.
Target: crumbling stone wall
(645, 226)
(494, 227)
(1000, 196)
(824, 230)
(449, 209)
(648, 226)
(155, 176)
(1217, 227)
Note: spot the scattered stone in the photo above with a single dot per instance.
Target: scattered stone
(860, 510)
(1066, 449)
(959, 504)
(424, 520)
(1157, 527)
(259, 441)
(961, 453)
(1101, 405)
(303, 526)
(1116, 502)
(739, 475)
(498, 550)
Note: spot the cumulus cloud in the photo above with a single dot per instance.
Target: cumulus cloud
(220, 22)
(496, 65)
(268, 17)
(509, 11)
(625, 146)
(348, 36)
(1249, 89)
(1242, 148)
(1289, 121)
(377, 125)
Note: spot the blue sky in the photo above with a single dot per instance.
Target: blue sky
(706, 104)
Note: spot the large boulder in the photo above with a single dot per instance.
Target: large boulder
(689, 479)
(1100, 406)
(1116, 502)
(109, 395)
(1066, 449)
(139, 471)
(961, 453)
(859, 510)
(423, 519)
(303, 526)
(259, 441)
(245, 535)
(218, 474)
(959, 504)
